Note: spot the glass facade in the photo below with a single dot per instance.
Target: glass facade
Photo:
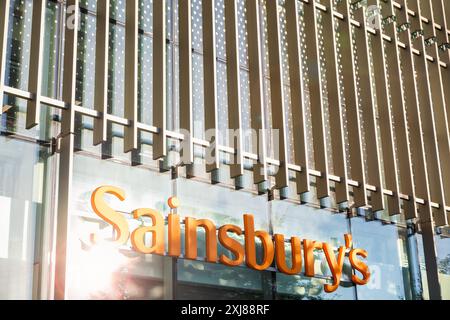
(31, 172)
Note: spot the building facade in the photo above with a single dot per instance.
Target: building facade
(320, 118)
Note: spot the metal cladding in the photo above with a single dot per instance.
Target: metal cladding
(357, 94)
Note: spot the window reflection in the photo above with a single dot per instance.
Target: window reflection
(101, 272)
(307, 222)
(443, 256)
(387, 259)
(23, 178)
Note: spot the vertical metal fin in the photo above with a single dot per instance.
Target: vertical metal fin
(316, 99)
(210, 84)
(36, 57)
(159, 79)
(277, 92)
(297, 96)
(185, 38)
(233, 87)
(4, 17)
(131, 75)
(70, 68)
(101, 71)
(256, 89)
(334, 103)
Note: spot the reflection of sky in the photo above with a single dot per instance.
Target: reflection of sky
(143, 188)
(443, 247)
(221, 205)
(308, 223)
(384, 259)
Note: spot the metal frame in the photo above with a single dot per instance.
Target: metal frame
(66, 152)
(157, 130)
(402, 47)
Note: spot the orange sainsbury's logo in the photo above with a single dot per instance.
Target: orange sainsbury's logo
(273, 247)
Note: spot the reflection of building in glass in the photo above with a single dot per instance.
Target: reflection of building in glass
(359, 143)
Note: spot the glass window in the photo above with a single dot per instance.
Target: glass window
(24, 176)
(442, 242)
(387, 259)
(310, 223)
(443, 260)
(98, 272)
(197, 279)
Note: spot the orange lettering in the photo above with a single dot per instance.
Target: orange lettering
(296, 255)
(233, 245)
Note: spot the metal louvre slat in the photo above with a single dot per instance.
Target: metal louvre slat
(159, 79)
(70, 67)
(185, 49)
(256, 89)
(233, 88)
(4, 22)
(210, 83)
(276, 91)
(131, 75)
(101, 71)
(431, 125)
(297, 96)
(397, 99)
(316, 99)
(351, 107)
(334, 103)
(36, 58)
(434, 62)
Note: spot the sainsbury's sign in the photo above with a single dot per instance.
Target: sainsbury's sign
(302, 251)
